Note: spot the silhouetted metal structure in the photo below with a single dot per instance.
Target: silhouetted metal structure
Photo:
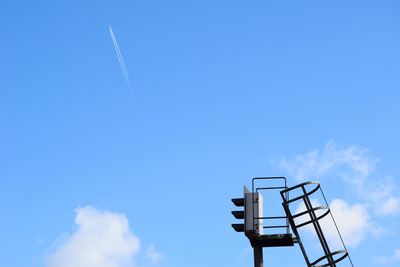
(299, 211)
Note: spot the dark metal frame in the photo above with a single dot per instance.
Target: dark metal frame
(253, 181)
(310, 210)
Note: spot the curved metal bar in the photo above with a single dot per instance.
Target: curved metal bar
(304, 195)
(330, 255)
(300, 185)
(308, 211)
(269, 188)
(269, 178)
(314, 220)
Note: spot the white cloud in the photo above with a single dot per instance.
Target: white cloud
(355, 169)
(153, 255)
(354, 163)
(352, 220)
(354, 166)
(103, 239)
(395, 257)
(390, 207)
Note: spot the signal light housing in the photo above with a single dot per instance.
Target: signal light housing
(251, 213)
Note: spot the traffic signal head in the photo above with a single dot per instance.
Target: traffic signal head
(238, 214)
(251, 213)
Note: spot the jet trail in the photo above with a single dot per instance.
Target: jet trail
(121, 60)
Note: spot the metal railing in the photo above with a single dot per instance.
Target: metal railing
(255, 189)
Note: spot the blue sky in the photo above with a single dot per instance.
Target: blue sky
(222, 91)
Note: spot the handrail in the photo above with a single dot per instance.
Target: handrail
(256, 190)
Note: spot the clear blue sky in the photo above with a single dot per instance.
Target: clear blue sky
(222, 91)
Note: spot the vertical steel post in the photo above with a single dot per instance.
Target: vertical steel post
(258, 256)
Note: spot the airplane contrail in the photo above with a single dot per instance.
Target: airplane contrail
(121, 60)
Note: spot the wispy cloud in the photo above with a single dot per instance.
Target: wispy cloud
(121, 60)
(395, 257)
(355, 169)
(351, 164)
(331, 159)
(153, 255)
(102, 239)
(352, 220)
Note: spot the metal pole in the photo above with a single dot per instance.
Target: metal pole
(258, 256)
